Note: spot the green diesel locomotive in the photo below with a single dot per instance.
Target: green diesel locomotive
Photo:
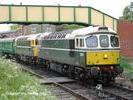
(88, 54)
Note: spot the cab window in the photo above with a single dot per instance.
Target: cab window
(77, 42)
(32, 42)
(104, 41)
(36, 42)
(92, 41)
(114, 41)
(81, 43)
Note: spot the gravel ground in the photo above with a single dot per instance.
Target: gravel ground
(126, 82)
(126, 78)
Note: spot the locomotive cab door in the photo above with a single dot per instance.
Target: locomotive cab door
(71, 47)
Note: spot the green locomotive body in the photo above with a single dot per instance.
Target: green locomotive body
(57, 50)
(26, 48)
(7, 46)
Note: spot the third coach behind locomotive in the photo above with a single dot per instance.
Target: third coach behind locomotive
(90, 53)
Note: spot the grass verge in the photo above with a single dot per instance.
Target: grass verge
(126, 65)
(18, 85)
(128, 68)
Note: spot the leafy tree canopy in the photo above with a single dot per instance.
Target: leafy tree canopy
(128, 12)
(15, 27)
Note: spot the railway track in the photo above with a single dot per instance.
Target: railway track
(70, 90)
(64, 88)
(116, 92)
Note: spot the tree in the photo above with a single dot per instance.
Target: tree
(15, 27)
(128, 12)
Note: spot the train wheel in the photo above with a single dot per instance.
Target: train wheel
(106, 79)
(79, 74)
(64, 69)
(92, 81)
(72, 72)
(48, 65)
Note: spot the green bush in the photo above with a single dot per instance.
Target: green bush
(17, 85)
(73, 26)
(126, 65)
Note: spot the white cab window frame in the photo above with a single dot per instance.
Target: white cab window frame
(78, 41)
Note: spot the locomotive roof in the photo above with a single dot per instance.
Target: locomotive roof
(70, 34)
(56, 35)
(27, 37)
(32, 36)
(7, 39)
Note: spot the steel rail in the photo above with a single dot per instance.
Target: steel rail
(77, 95)
(124, 93)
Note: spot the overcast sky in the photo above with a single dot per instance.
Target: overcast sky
(111, 7)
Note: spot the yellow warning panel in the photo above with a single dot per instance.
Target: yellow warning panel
(102, 58)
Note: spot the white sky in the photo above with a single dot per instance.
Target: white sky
(111, 7)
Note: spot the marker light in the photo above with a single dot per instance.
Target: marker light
(98, 68)
(111, 67)
(105, 56)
